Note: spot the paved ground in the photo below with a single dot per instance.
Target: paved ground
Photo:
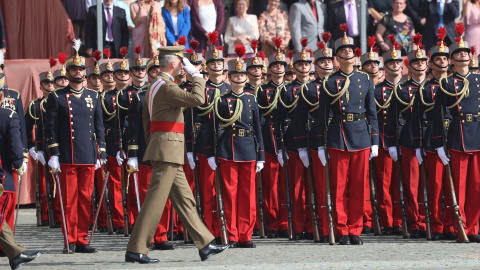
(378, 252)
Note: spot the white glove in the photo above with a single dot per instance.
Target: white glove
(120, 158)
(103, 161)
(442, 155)
(41, 157)
(54, 164)
(302, 153)
(189, 68)
(280, 157)
(419, 156)
(212, 163)
(25, 165)
(133, 163)
(392, 151)
(373, 152)
(33, 153)
(191, 160)
(259, 166)
(321, 155)
(98, 165)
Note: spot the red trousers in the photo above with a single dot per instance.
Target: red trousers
(115, 191)
(76, 182)
(239, 199)
(207, 192)
(348, 173)
(411, 188)
(386, 188)
(296, 174)
(319, 173)
(436, 174)
(5, 205)
(273, 189)
(466, 177)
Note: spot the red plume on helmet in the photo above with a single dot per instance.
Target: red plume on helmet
(107, 52)
(194, 44)
(473, 50)
(344, 28)
(358, 52)
(320, 45)
(405, 62)
(392, 39)
(371, 42)
(62, 57)
(304, 42)
(213, 38)
(459, 29)
(138, 50)
(189, 51)
(417, 39)
(376, 49)
(290, 54)
(123, 51)
(254, 44)
(261, 54)
(278, 42)
(441, 33)
(326, 36)
(240, 50)
(52, 62)
(182, 40)
(97, 55)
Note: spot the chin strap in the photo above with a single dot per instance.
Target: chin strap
(232, 81)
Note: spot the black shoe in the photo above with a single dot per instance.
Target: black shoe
(366, 230)
(180, 236)
(22, 258)
(423, 234)
(272, 234)
(152, 246)
(449, 236)
(475, 238)
(397, 230)
(164, 246)
(169, 236)
(387, 231)
(297, 236)
(2, 253)
(218, 240)
(103, 229)
(247, 244)
(324, 239)
(437, 236)
(85, 249)
(344, 240)
(308, 236)
(71, 248)
(120, 230)
(256, 232)
(211, 249)
(137, 257)
(283, 234)
(58, 224)
(233, 244)
(415, 234)
(356, 240)
(45, 223)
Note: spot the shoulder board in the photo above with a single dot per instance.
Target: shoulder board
(13, 90)
(368, 76)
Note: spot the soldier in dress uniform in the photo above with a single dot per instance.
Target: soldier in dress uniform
(385, 169)
(289, 96)
(400, 114)
(152, 69)
(289, 71)
(93, 73)
(349, 94)
(422, 121)
(460, 93)
(11, 156)
(239, 150)
(273, 180)
(474, 62)
(121, 72)
(164, 127)
(306, 113)
(254, 69)
(60, 75)
(74, 128)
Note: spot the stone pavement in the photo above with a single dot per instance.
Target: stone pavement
(378, 252)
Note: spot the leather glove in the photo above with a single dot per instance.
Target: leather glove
(373, 152)
(302, 153)
(98, 165)
(212, 163)
(259, 166)
(54, 164)
(189, 68)
(103, 161)
(419, 156)
(41, 157)
(191, 160)
(120, 158)
(442, 155)
(392, 151)
(133, 163)
(321, 155)
(33, 153)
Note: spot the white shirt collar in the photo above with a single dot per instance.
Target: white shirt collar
(173, 79)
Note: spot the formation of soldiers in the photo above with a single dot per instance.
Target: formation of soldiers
(272, 152)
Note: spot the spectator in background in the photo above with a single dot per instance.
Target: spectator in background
(396, 23)
(206, 16)
(241, 29)
(377, 9)
(471, 20)
(413, 11)
(346, 11)
(439, 13)
(307, 19)
(77, 11)
(273, 23)
(3, 40)
(177, 21)
(139, 11)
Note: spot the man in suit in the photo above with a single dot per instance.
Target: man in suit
(115, 29)
(307, 19)
(439, 13)
(163, 123)
(345, 11)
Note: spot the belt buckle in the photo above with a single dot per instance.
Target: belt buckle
(469, 118)
(197, 126)
(349, 117)
(241, 133)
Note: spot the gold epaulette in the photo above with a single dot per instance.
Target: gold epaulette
(368, 76)
(18, 93)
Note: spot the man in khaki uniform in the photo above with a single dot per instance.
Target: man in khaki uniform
(164, 132)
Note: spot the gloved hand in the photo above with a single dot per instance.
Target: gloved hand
(120, 158)
(212, 163)
(259, 166)
(98, 165)
(33, 153)
(24, 167)
(103, 161)
(54, 164)
(392, 151)
(41, 157)
(321, 155)
(419, 156)
(280, 157)
(302, 153)
(191, 160)
(373, 152)
(442, 155)
(133, 163)
(189, 68)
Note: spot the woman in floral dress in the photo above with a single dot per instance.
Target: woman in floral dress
(273, 23)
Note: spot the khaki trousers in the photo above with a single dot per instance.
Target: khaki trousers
(167, 181)
(10, 246)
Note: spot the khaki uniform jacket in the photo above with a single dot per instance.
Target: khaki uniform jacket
(168, 105)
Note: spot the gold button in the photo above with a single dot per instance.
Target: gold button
(73, 130)
(90, 116)
(89, 124)
(90, 139)
(90, 109)
(359, 86)
(249, 118)
(360, 100)
(358, 80)
(71, 109)
(69, 102)
(360, 93)
(341, 101)
(343, 108)
(460, 107)
(73, 138)
(90, 131)
(71, 116)
(359, 107)
(249, 100)
(71, 123)
(385, 117)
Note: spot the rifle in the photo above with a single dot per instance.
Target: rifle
(258, 180)
(283, 127)
(65, 227)
(218, 190)
(424, 184)
(198, 198)
(457, 216)
(311, 187)
(102, 198)
(48, 187)
(373, 195)
(38, 201)
(399, 179)
(106, 199)
(123, 181)
(331, 234)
